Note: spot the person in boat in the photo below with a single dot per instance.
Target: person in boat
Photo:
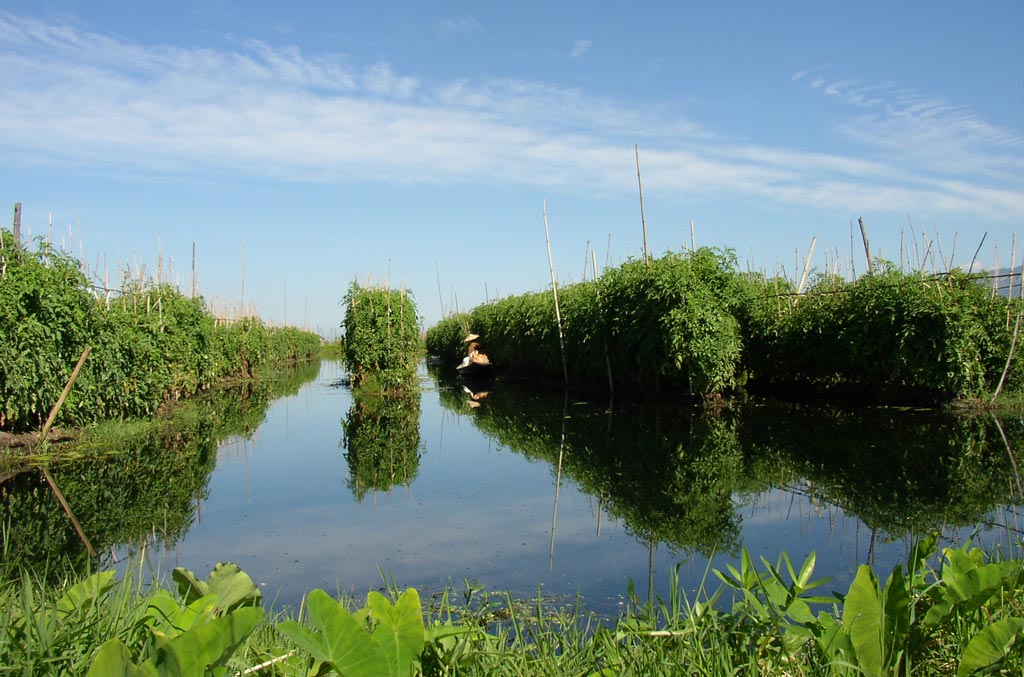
(473, 353)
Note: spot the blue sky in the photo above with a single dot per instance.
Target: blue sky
(304, 145)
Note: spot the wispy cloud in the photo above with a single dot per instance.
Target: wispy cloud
(579, 48)
(913, 129)
(460, 25)
(107, 104)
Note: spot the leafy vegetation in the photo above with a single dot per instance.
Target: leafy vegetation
(680, 476)
(962, 615)
(693, 323)
(382, 441)
(149, 343)
(129, 482)
(382, 338)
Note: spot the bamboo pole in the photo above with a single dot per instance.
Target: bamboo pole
(807, 266)
(1009, 355)
(640, 184)
(867, 247)
(42, 440)
(607, 355)
(554, 291)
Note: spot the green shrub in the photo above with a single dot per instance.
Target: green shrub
(382, 334)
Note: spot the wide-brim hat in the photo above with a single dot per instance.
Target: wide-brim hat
(471, 337)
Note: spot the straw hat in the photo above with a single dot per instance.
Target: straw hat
(471, 337)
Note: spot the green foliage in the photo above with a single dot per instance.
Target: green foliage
(382, 441)
(692, 323)
(888, 332)
(964, 618)
(382, 338)
(149, 343)
(379, 639)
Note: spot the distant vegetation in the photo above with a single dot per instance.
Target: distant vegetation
(149, 343)
(693, 323)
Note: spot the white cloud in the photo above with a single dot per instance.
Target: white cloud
(112, 105)
(579, 48)
(460, 25)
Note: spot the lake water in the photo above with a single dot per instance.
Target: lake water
(526, 490)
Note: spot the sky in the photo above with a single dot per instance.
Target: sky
(303, 146)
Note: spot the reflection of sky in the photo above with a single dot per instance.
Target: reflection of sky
(279, 506)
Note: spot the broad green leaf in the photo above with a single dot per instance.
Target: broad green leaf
(85, 593)
(190, 588)
(864, 620)
(341, 640)
(233, 587)
(990, 645)
(399, 632)
(210, 644)
(114, 660)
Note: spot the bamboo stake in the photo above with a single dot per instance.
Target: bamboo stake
(693, 241)
(643, 219)
(554, 291)
(807, 265)
(867, 247)
(607, 355)
(42, 439)
(1009, 355)
(976, 252)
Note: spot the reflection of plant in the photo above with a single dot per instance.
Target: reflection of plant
(382, 441)
(146, 481)
(668, 477)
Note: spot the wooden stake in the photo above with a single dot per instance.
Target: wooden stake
(807, 266)
(640, 184)
(42, 439)
(867, 247)
(607, 355)
(554, 291)
(17, 224)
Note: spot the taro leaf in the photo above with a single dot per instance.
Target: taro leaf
(170, 619)
(208, 645)
(85, 593)
(990, 645)
(968, 584)
(342, 641)
(399, 632)
(864, 620)
(190, 588)
(233, 587)
(832, 640)
(114, 660)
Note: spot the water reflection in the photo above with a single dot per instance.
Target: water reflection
(382, 442)
(134, 485)
(684, 477)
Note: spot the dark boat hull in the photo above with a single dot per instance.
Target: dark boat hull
(476, 370)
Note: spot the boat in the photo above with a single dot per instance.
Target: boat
(476, 368)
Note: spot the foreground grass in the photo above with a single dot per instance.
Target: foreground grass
(963, 617)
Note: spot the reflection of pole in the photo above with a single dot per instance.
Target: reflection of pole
(1016, 471)
(650, 570)
(558, 483)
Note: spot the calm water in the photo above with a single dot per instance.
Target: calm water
(514, 495)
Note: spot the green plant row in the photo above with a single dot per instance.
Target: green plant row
(961, 616)
(693, 323)
(147, 345)
(382, 338)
